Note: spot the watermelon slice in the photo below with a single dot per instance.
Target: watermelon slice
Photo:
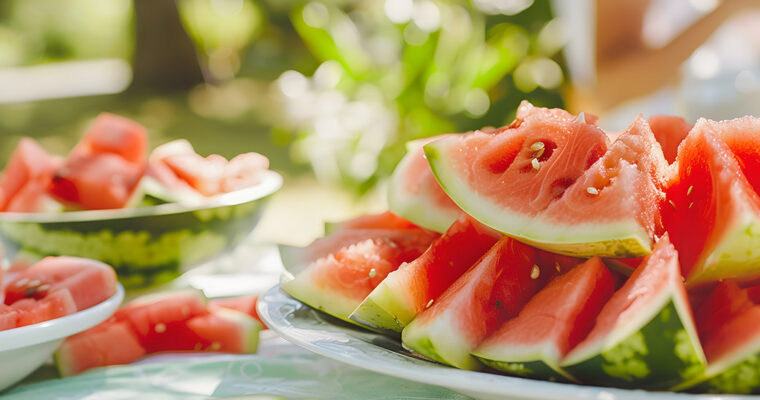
(553, 322)
(670, 131)
(223, 330)
(108, 343)
(729, 326)
(549, 181)
(297, 258)
(87, 282)
(742, 136)
(414, 193)
(407, 291)
(490, 292)
(339, 282)
(25, 179)
(644, 337)
(713, 215)
(55, 305)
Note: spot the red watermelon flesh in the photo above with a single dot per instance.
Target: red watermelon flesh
(742, 136)
(89, 282)
(55, 305)
(242, 171)
(670, 131)
(712, 212)
(339, 282)
(29, 170)
(113, 134)
(406, 292)
(151, 316)
(493, 290)
(8, 317)
(109, 343)
(225, 330)
(723, 304)
(729, 340)
(98, 181)
(244, 304)
(624, 185)
(203, 174)
(554, 321)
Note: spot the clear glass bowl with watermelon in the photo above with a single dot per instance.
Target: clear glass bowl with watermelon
(149, 216)
(566, 254)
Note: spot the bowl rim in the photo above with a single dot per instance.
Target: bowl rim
(62, 327)
(270, 183)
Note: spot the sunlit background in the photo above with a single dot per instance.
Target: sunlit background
(330, 90)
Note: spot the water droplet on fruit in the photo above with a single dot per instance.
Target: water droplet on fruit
(535, 272)
(160, 328)
(372, 273)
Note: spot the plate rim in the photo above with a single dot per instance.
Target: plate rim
(482, 383)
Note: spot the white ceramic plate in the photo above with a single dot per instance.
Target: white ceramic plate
(330, 337)
(23, 350)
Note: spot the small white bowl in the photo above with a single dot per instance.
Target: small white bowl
(24, 349)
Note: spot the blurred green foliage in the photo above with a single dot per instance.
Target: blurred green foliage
(342, 83)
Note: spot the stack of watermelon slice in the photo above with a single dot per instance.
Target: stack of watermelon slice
(566, 253)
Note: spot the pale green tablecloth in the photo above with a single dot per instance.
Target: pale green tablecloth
(279, 368)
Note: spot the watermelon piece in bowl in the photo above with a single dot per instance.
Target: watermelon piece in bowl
(491, 291)
(415, 194)
(550, 181)
(713, 211)
(24, 182)
(339, 281)
(670, 131)
(554, 321)
(644, 337)
(405, 293)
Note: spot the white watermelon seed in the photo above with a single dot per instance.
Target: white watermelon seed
(535, 164)
(535, 272)
(537, 146)
(43, 288)
(430, 303)
(22, 282)
(556, 265)
(592, 190)
(34, 283)
(198, 347)
(691, 204)
(581, 118)
(672, 203)
(372, 273)
(160, 328)
(539, 153)
(688, 191)
(216, 346)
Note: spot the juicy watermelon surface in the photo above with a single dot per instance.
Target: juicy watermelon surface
(670, 131)
(553, 322)
(549, 181)
(406, 292)
(24, 182)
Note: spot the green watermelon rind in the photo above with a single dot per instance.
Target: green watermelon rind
(250, 326)
(384, 310)
(622, 239)
(532, 367)
(417, 209)
(737, 255)
(143, 250)
(657, 350)
(440, 341)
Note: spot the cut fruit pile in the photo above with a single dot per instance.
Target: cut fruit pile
(179, 321)
(109, 169)
(53, 288)
(565, 253)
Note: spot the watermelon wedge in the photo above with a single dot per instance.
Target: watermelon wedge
(550, 182)
(729, 326)
(338, 282)
(407, 291)
(386, 220)
(713, 215)
(490, 292)
(108, 343)
(26, 177)
(644, 337)
(244, 304)
(414, 193)
(553, 322)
